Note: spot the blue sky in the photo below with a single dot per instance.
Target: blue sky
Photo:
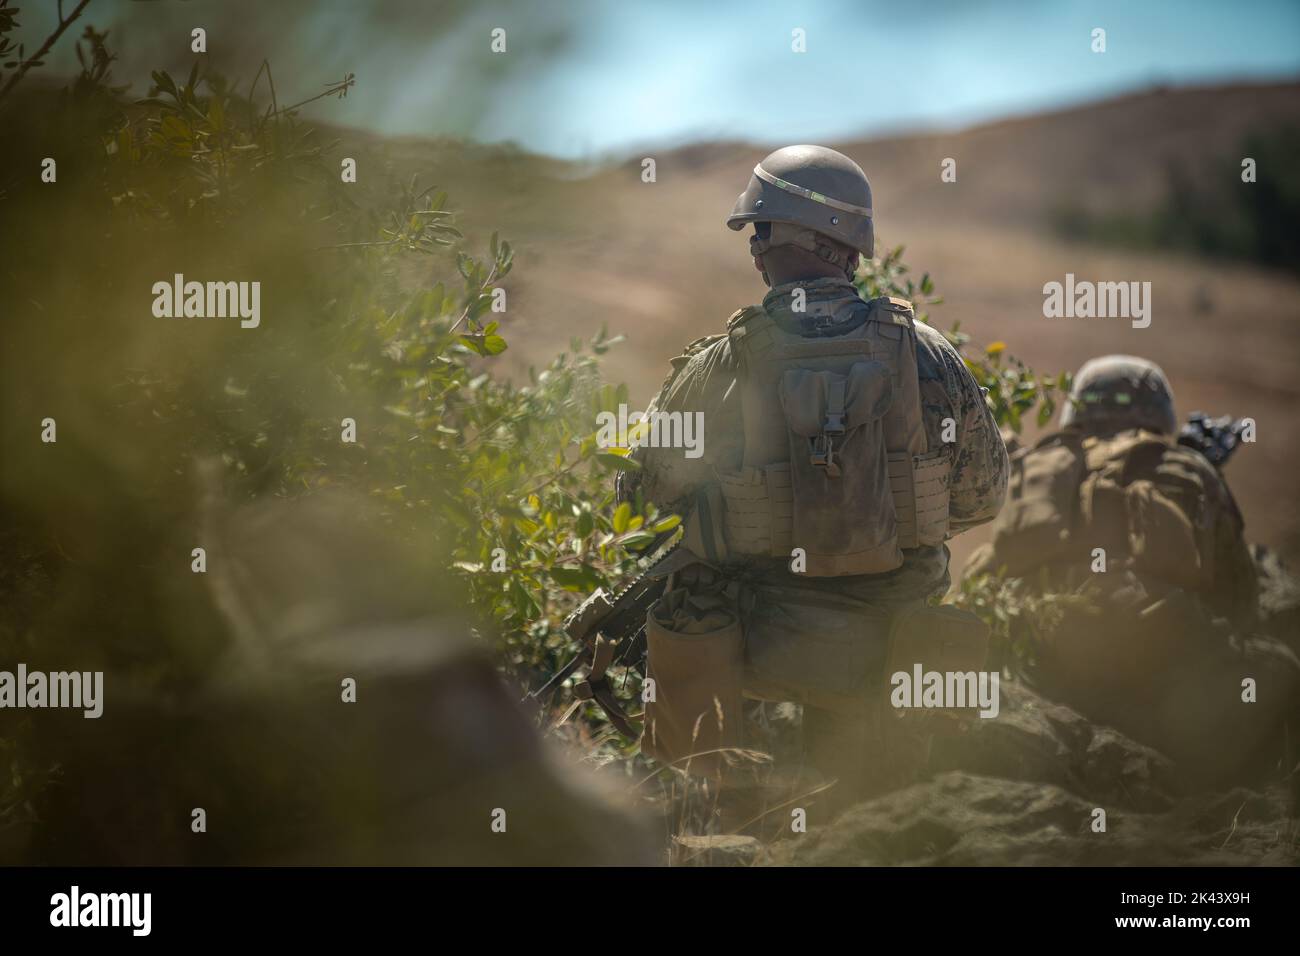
(582, 78)
(874, 66)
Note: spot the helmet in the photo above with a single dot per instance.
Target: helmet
(813, 187)
(1116, 392)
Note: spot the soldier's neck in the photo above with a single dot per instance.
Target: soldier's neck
(811, 303)
(816, 288)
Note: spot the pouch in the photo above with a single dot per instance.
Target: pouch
(844, 517)
(815, 648)
(695, 657)
(1162, 540)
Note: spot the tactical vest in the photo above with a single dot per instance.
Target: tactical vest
(836, 461)
(1125, 494)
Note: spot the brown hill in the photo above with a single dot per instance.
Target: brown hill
(597, 245)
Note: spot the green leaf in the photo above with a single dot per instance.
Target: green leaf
(622, 517)
(1045, 411)
(583, 579)
(163, 81)
(216, 113)
(617, 461)
(473, 342)
(637, 540)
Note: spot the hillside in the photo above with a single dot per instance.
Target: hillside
(653, 260)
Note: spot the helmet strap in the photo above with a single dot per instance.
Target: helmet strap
(786, 234)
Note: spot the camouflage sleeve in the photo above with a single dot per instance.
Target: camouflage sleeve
(1235, 568)
(954, 409)
(700, 382)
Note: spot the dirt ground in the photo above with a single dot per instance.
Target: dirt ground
(653, 260)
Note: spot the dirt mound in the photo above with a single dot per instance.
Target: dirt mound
(1036, 740)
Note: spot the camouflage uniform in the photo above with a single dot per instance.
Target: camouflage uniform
(705, 379)
(1123, 403)
(1164, 639)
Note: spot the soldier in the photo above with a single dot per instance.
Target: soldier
(1118, 427)
(1114, 507)
(844, 443)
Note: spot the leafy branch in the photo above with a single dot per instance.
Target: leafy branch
(1014, 389)
(8, 22)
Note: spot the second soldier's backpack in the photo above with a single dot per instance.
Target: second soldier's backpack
(1134, 495)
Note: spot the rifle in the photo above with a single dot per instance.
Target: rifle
(612, 627)
(1215, 438)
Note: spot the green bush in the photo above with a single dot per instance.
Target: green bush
(195, 177)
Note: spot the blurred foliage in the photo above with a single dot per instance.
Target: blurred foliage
(376, 308)
(1014, 389)
(1215, 213)
(1020, 614)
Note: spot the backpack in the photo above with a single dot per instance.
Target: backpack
(836, 461)
(1143, 501)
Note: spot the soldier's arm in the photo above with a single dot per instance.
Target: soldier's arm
(1241, 580)
(1236, 581)
(949, 394)
(1200, 490)
(700, 381)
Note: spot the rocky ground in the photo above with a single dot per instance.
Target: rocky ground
(1026, 789)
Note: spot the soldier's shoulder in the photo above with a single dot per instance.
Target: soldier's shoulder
(707, 354)
(934, 353)
(893, 304)
(743, 316)
(1148, 452)
(1191, 462)
(702, 344)
(931, 339)
(1065, 440)
(714, 342)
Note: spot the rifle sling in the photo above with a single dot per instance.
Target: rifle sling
(600, 691)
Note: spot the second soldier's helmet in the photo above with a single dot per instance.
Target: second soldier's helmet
(1117, 392)
(813, 187)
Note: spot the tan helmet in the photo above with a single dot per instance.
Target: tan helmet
(1115, 392)
(813, 187)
